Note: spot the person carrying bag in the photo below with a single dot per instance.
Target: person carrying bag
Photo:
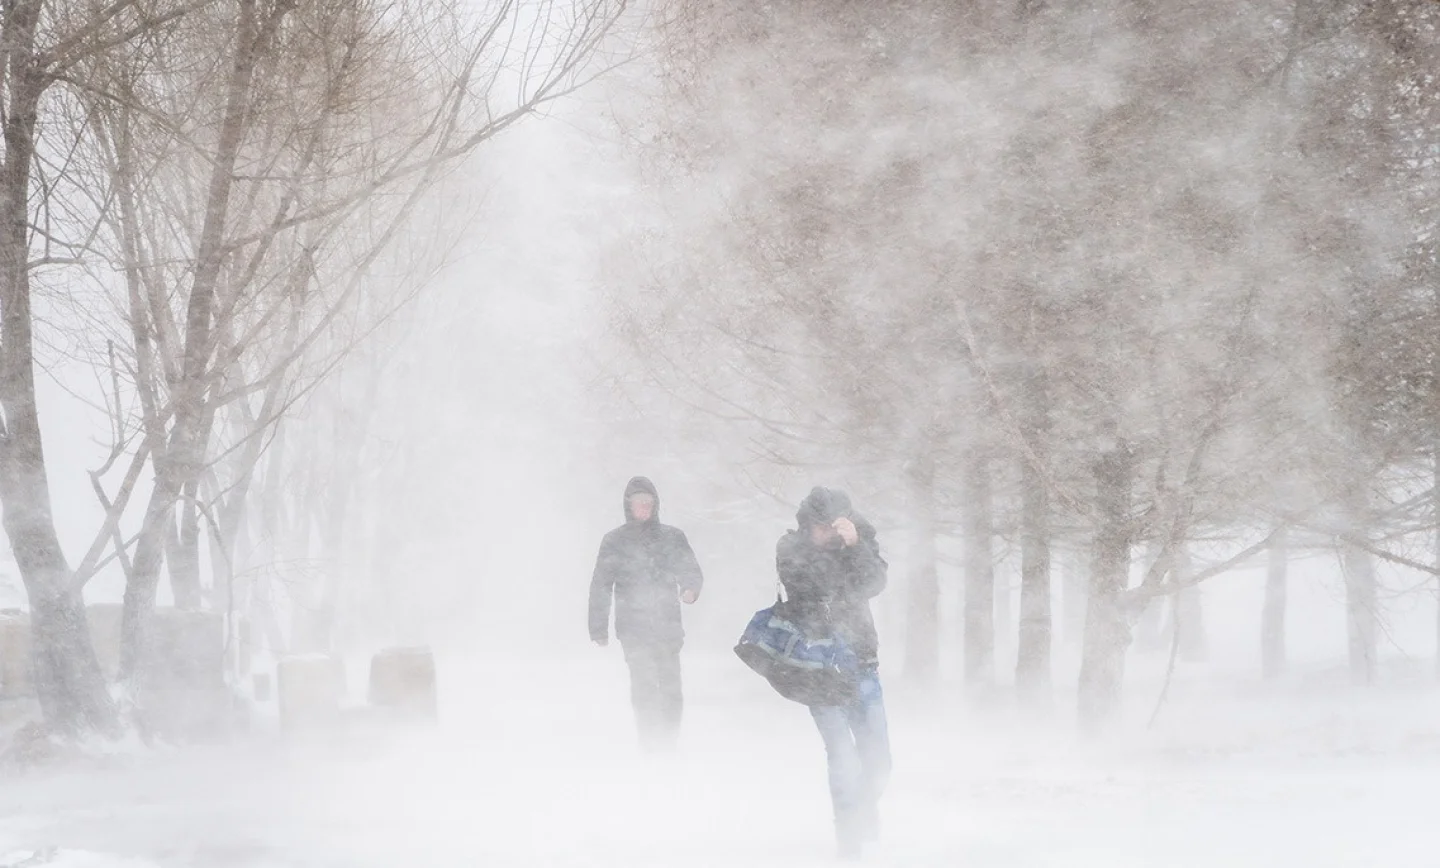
(818, 646)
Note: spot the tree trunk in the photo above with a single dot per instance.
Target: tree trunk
(1004, 627)
(979, 613)
(1107, 624)
(1150, 631)
(1189, 614)
(922, 627)
(1272, 620)
(1360, 596)
(183, 557)
(67, 674)
(138, 604)
(1361, 625)
(1074, 593)
(68, 679)
(1360, 621)
(1032, 663)
(183, 456)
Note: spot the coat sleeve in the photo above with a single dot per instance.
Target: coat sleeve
(685, 567)
(602, 588)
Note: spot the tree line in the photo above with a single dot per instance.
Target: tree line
(1139, 282)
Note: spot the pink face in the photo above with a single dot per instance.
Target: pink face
(823, 535)
(642, 507)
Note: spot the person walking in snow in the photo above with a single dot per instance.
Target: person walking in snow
(649, 569)
(830, 567)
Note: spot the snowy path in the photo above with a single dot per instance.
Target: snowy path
(546, 775)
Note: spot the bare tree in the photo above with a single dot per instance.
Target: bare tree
(239, 147)
(319, 159)
(43, 41)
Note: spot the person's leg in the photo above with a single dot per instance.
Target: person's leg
(644, 690)
(843, 761)
(670, 697)
(872, 742)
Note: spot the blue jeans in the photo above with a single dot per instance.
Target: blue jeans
(857, 749)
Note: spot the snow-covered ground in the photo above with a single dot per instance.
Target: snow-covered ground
(535, 764)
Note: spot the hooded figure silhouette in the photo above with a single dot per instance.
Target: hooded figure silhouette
(647, 568)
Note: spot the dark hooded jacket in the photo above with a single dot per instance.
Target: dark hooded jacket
(644, 565)
(830, 588)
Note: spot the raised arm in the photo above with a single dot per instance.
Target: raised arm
(868, 571)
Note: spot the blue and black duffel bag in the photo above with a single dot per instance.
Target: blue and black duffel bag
(808, 669)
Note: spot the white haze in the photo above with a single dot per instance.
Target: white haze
(502, 377)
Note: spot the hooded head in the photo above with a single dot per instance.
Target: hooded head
(642, 487)
(822, 506)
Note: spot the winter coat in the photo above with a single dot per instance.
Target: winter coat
(644, 565)
(831, 588)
